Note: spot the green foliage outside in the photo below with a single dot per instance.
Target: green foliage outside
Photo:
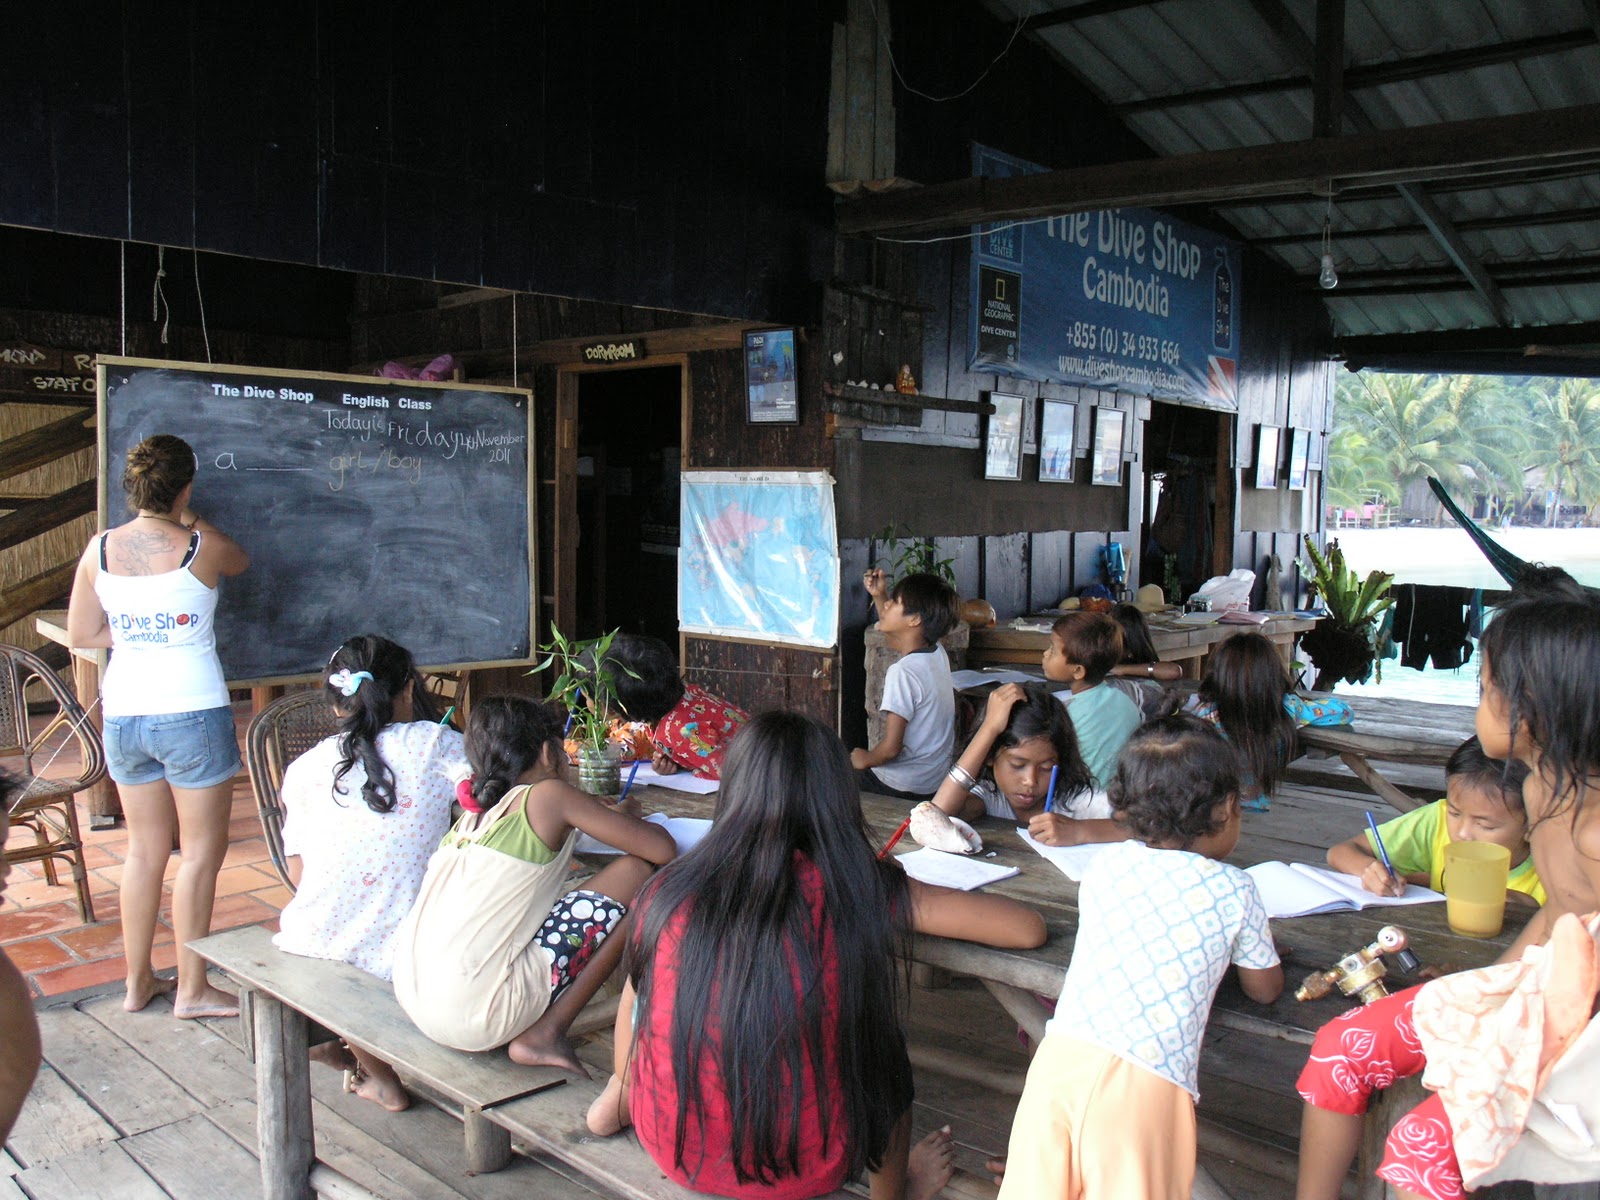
(1477, 434)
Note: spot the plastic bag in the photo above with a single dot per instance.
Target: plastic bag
(1230, 592)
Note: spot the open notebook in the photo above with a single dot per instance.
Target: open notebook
(686, 831)
(1298, 890)
(958, 871)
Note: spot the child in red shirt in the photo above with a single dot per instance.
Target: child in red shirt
(688, 725)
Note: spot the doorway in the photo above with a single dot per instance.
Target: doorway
(1188, 514)
(629, 457)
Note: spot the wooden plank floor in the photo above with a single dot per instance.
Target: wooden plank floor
(142, 1105)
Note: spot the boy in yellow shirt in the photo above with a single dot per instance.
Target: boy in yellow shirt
(1482, 803)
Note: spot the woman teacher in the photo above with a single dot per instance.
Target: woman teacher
(148, 590)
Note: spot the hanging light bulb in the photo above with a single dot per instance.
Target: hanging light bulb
(1328, 278)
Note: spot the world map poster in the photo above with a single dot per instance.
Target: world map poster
(759, 556)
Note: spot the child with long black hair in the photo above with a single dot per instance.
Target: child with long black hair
(1006, 769)
(1512, 1098)
(498, 948)
(1108, 1108)
(1247, 694)
(766, 1056)
(363, 810)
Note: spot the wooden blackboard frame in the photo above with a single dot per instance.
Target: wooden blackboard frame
(105, 490)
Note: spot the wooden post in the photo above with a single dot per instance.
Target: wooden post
(488, 1145)
(283, 1100)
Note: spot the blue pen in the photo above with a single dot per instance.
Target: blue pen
(632, 771)
(1050, 796)
(1383, 852)
(577, 698)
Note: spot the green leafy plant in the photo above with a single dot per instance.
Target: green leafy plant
(1344, 644)
(583, 684)
(904, 553)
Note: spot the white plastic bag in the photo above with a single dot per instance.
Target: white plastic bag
(1230, 592)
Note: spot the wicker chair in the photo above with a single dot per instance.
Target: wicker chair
(278, 734)
(46, 806)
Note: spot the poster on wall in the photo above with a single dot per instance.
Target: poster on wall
(1127, 299)
(759, 556)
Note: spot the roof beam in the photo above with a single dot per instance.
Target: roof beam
(1379, 74)
(1570, 216)
(1327, 71)
(1082, 12)
(1427, 210)
(1510, 340)
(1273, 171)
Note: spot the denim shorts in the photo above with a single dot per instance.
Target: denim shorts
(188, 749)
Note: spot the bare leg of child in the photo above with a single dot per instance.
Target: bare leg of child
(610, 1113)
(376, 1081)
(1328, 1145)
(333, 1054)
(913, 1172)
(544, 1043)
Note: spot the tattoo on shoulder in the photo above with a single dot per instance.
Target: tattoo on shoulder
(136, 550)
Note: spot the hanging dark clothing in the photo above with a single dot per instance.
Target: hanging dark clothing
(1430, 624)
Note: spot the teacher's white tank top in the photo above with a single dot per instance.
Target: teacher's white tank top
(164, 646)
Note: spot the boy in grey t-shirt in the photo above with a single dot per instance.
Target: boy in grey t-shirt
(919, 703)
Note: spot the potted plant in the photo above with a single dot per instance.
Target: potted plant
(584, 686)
(1343, 645)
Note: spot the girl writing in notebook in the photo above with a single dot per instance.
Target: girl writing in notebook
(1539, 706)
(1023, 741)
(499, 948)
(1247, 694)
(759, 1049)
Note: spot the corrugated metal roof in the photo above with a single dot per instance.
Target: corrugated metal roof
(1170, 47)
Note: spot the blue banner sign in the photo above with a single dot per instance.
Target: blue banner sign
(1127, 299)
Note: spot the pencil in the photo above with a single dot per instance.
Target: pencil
(1050, 796)
(1383, 851)
(898, 834)
(448, 713)
(632, 771)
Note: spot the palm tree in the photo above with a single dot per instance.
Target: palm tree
(1566, 440)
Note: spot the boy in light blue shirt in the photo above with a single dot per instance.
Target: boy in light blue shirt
(1084, 646)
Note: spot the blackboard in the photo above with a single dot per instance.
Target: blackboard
(367, 505)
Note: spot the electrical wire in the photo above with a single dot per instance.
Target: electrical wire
(201, 298)
(1022, 20)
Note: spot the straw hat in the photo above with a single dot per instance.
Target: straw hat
(1149, 598)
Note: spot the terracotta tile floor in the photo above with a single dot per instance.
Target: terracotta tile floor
(42, 933)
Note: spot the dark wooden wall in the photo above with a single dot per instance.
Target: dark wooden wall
(667, 155)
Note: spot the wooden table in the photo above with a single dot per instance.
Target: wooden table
(1402, 731)
(1189, 645)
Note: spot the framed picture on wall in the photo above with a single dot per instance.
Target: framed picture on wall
(1110, 424)
(1058, 440)
(1002, 441)
(772, 391)
(1267, 437)
(1299, 458)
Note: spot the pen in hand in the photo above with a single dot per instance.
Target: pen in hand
(1383, 851)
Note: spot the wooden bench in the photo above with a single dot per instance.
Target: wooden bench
(543, 1107)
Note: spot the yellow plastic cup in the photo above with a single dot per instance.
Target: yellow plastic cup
(1475, 875)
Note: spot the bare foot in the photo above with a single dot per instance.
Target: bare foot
(534, 1048)
(334, 1054)
(997, 1168)
(142, 991)
(381, 1086)
(930, 1166)
(208, 1002)
(606, 1115)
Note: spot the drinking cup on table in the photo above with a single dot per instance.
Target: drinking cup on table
(1475, 875)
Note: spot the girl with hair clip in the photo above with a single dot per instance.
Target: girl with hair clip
(497, 950)
(148, 589)
(759, 1049)
(1246, 693)
(363, 811)
(1511, 1050)
(1005, 771)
